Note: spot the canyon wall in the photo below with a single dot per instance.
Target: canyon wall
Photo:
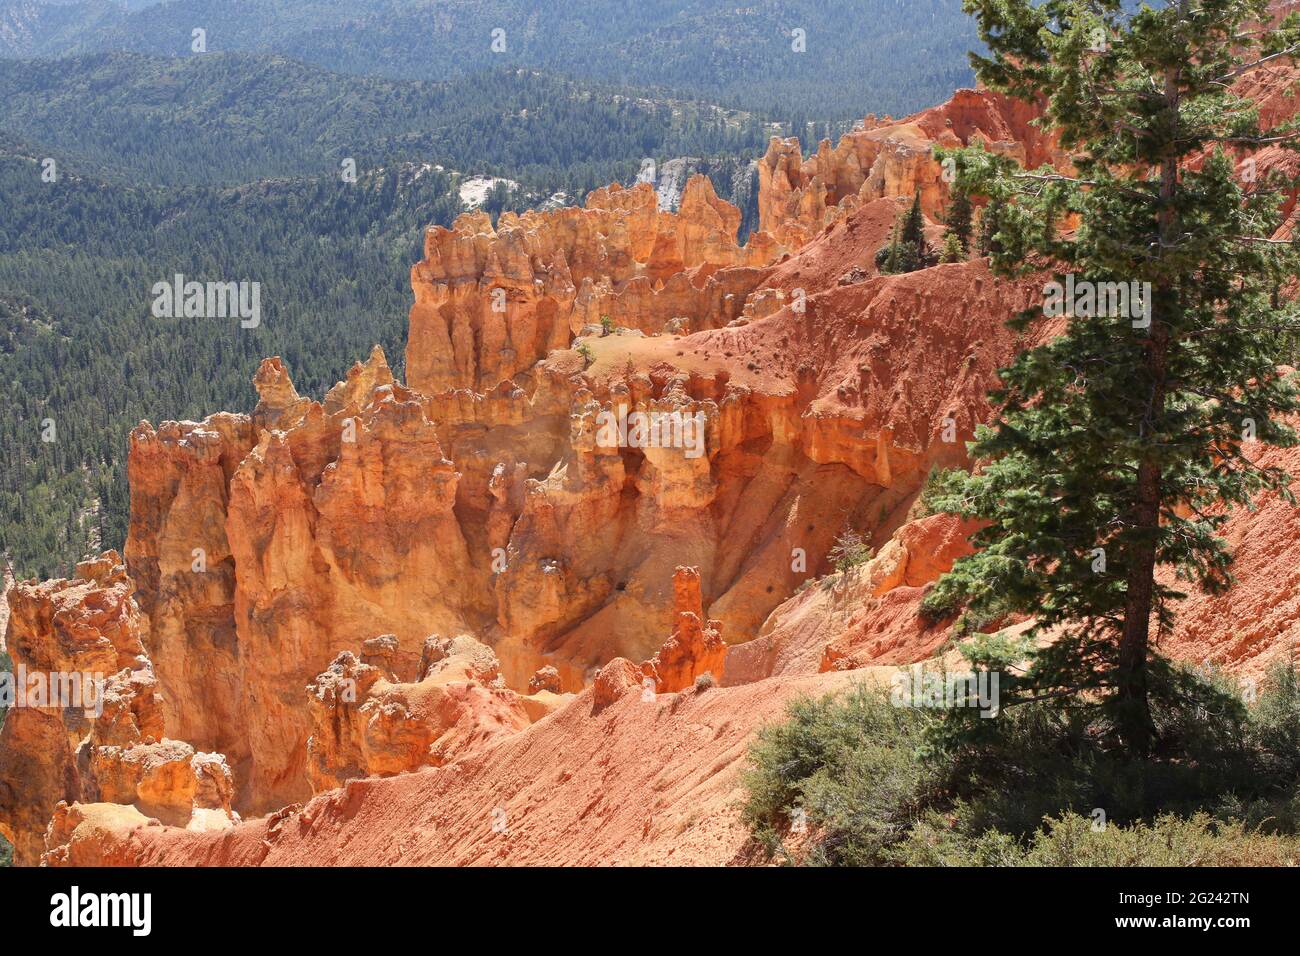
(481, 500)
(463, 584)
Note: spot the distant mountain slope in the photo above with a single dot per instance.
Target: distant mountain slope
(34, 27)
(859, 55)
(232, 117)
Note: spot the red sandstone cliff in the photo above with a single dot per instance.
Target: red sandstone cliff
(482, 501)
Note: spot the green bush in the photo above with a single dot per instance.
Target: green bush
(1074, 840)
(850, 763)
(871, 783)
(1274, 730)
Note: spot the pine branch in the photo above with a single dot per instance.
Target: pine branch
(1287, 53)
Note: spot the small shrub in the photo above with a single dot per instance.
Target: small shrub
(1170, 840)
(705, 681)
(850, 763)
(1274, 729)
(588, 356)
(1074, 840)
(851, 549)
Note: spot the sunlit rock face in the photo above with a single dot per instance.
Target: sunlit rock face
(366, 721)
(625, 448)
(88, 723)
(798, 197)
(695, 648)
(179, 558)
(491, 301)
(487, 498)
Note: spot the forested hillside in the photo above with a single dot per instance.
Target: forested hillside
(79, 347)
(856, 55)
(230, 118)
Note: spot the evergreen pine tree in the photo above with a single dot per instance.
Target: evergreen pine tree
(1121, 446)
(913, 236)
(907, 250)
(888, 256)
(959, 219)
(952, 249)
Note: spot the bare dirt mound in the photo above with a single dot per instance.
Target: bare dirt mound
(644, 781)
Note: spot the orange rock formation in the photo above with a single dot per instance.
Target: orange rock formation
(319, 544)
(798, 198)
(491, 302)
(365, 722)
(695, 648)
(89, 724)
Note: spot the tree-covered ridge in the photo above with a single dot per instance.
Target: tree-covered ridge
(884, 55)
(223, 119)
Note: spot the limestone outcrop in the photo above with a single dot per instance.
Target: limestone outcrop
(179, 558)
(695, 647)
(88, 722)
(490, 302)
(799, 198)
(340, 518)
(366, 722)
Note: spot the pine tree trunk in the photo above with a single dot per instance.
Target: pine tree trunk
(1133, 704)
(1133, 707)
(1133, 711)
